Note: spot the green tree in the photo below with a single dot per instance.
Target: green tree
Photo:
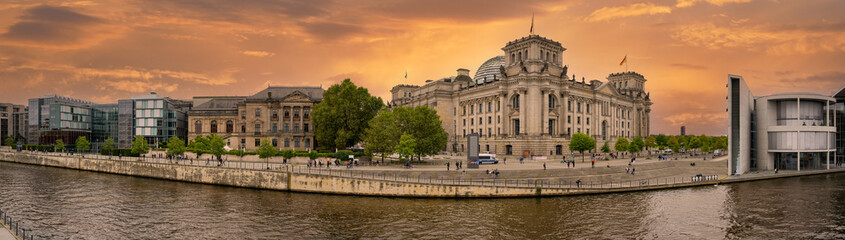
(215, 145)
(265, 151)
(139, 145)
(9, 141)
(605, 148)
(342, 116)
(406, 147)
(650, 143)
(662, 140)
(175, 146)
(383, 134)
(288, 154)
(621, 144)
(82, 144)
(424, 125)
(720, 143)
(199, 145)
(694, 143)
(108, 146)
(673, 144)
(60, 145)
(580, 142)
(636, 145)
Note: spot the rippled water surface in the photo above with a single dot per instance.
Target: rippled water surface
(69, 204)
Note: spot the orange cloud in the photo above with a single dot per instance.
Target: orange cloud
(637, 9)
(58, 28)
(136, 86)
(690, 3)
(258, 53)
(774, 42)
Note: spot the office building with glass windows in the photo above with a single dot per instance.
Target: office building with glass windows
(55, 117)
(155, 117)
(9, 121)
(786, 131)
(839, 121)
(103, 125)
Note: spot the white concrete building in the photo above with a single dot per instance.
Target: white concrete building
(787, 131)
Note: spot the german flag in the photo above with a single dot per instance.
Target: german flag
(624, 60)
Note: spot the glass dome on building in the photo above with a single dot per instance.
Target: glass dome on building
(489, 70)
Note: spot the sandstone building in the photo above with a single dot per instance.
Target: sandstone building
(525, 103)
(281, 115)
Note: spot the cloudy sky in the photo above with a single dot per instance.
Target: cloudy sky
(107, 50)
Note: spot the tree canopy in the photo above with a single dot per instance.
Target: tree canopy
(139, 145)
(265, 150)
(82, 144)
(673, 144)
(9, 141)
(421, 122)
(342, 116)
(175, 146)
(605, 148)
(581, 142)
(636, 145)
(108, 146)
(60, 145)
(621, 144)
(406, 147)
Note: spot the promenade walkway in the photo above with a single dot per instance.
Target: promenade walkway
(5, 234)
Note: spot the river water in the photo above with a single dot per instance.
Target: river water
(69, 204)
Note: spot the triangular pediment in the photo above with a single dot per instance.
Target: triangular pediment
(608, 89)
(296, 96)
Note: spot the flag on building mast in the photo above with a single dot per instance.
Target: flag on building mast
(624, 60)
(531, 32)
(406, 74)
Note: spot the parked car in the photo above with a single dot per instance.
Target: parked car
(487, 158)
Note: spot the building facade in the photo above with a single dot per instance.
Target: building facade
(839, 121)
(281, 115)
(55, 117)
(788, 131)
(9, 114)
(103, 125)
(155, 117)
(525, 103)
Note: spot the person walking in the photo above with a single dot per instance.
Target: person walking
(544, 166)
(447, 166)
(521, 160)
(594, 163)
(632, 170)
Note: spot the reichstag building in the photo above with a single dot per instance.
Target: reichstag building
(525, 103)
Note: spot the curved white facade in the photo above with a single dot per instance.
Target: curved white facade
(790, 131)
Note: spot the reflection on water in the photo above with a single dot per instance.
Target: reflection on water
(61, 203)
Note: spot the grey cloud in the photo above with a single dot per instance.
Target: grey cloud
(54, 26)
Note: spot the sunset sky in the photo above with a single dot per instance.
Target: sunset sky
(107, 50)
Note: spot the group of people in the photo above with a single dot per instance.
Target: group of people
(458, 165)
(494, 173)
(319, 163)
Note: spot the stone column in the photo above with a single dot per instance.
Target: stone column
(502, 114)
(544, 112)
(564, 112)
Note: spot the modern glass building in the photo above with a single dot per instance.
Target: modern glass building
(839, 121)
(55, 117)
(154, 117)
(787, 131)
(104, 125)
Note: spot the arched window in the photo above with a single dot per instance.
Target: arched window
(198, 127)
(554, 57)
(213, 126)
(515, 103)
(230, 127)
(512, 57)
(526, 54)
(547, 56)
(552, 101)
(520, 56)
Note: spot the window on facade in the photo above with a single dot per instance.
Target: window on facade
(213, 126)
(307, 142)
(516, 126)
(578, 121)
(489, 130)
(551, 126)
(243, 128)
(472, 121)
(480, 108)
(275, 142)
(472, 109)
(275, 113)
(568, 131)
(490, 120)
(275, 127)
(257, 128)
(243, 114)
(465, 122)
(306, 113)
(257, 112)
(465, 132)
(296, 113)
(287, 127)
(552, 102)
(588, 121)
(305, 128)
(464, 109)
(579, 107)
(588, 131)
(296, 142)
(198, 126)
(243, 142)
(569, 106)
(489, 106)
(287, 142)
(520, 56)
(257, 142)
(296, 127)
(230, 127)
(568, 119)
(516, 101)
(588, 108)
